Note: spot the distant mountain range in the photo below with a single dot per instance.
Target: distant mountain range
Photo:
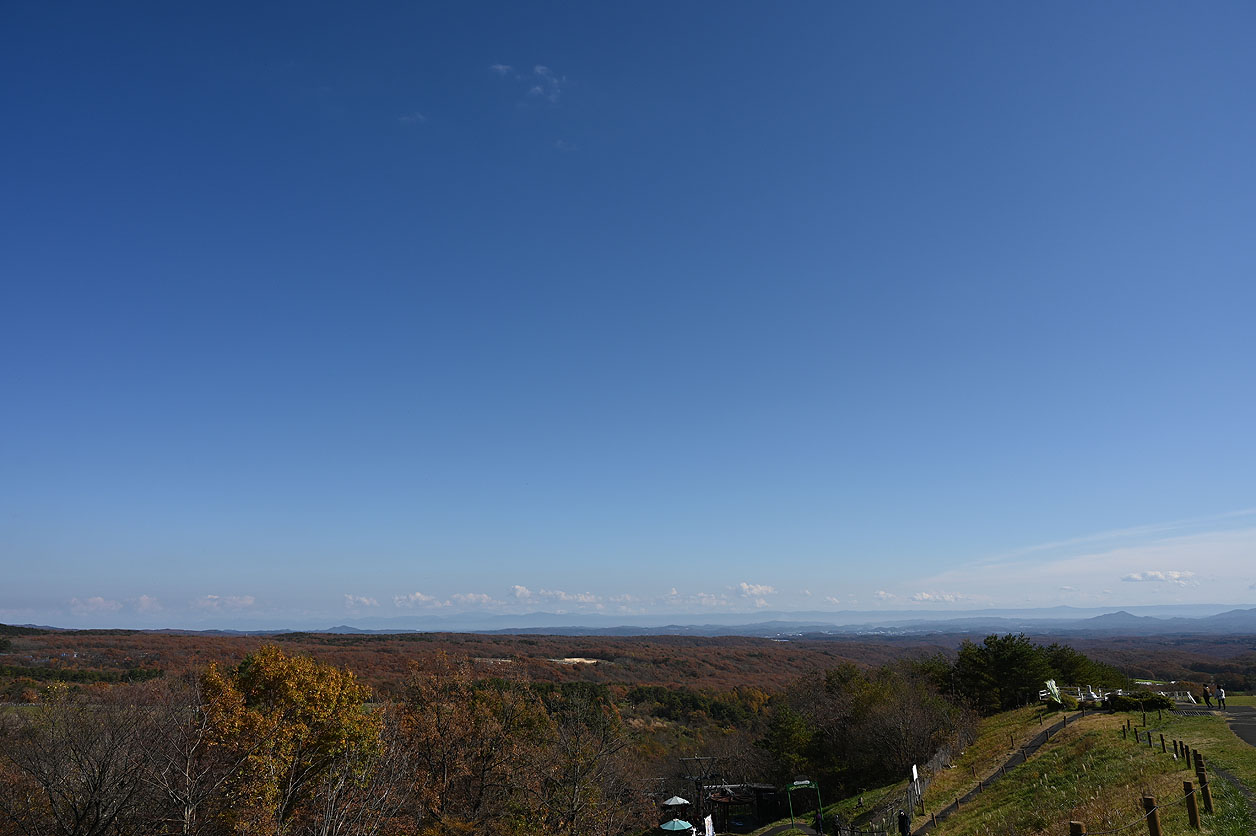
(1183, 619)
(1187, 619)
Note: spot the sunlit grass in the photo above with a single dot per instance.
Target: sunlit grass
(1090, 773)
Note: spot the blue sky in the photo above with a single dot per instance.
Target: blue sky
(315, 312)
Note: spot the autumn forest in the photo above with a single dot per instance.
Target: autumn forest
(120, 732)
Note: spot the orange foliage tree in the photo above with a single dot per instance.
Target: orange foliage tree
(292, 720)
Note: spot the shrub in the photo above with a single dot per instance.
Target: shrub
(1140, 701)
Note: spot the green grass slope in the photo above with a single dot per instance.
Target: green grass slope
(1090, 772)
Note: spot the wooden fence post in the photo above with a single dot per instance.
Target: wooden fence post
(1192, 804)
(1163, 749)
(1122, 732)
(1076, 828)
(1204, 789)
(1153, 815)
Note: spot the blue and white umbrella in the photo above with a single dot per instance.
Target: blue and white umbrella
(676, 824)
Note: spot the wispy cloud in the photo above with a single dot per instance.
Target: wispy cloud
(1153, 531)
(882, 595)
(548, 85)
(474, 599)
(541, 83)
(412, 118)
(755, 590)
(570, 597)
(1180, 578)
(219, 603)
(147, 603)
(675, 600)
(521, 593)
(355, 602)
(938, 597)
(94, 605)
(1091, 572)
(418, 599)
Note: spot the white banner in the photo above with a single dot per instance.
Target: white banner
(710, 826)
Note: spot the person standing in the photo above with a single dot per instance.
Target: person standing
(1220, 698)
(1207, 697)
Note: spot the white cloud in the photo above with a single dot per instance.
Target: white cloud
(94, 605)
(354, 602)
(837, 602)
(882, 595)
(521, 592)
(478, 599)
(218, 603)
(755, 590)
(938, 597)
(541, 83)
(1178, 577)
(576, 597)
(147, 603)
(412, 118)
(418, 599)
(547, 85)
